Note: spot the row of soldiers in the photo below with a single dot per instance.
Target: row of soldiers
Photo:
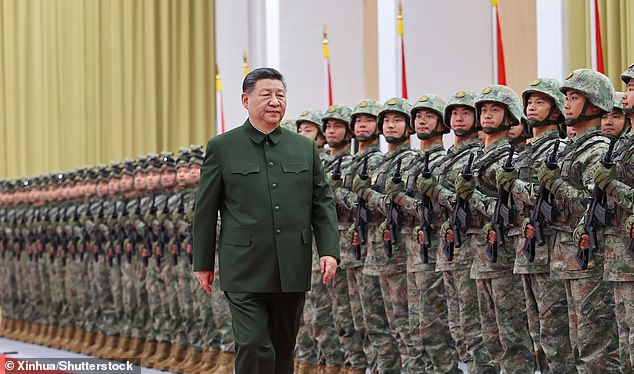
(512, 250)
(99, 261)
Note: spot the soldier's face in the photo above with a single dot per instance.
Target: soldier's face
(335, 131)
(462, 118)
(575, 101)
(364, 126)
(102, 188)
(114, 184)
(538, 106)
(612, 123)
(492, 115)
(181, 175)
(425, 121)
(127, 182)
(628, 95)
(266, 104)
(308, 129)
(140, 180)
(168, 178)
(153, 178)
(394, 124)
(91, 188)
(194, 173)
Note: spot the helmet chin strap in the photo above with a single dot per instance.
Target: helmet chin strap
(533, 123)
(369, 138)
(504, 126)
(339, 144)
(432, 134)
(570, 122)
(402, 138)
(474, 129)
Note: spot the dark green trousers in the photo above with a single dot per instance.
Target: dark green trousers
(265, 327)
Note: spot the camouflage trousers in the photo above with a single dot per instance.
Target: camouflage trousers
(306, 345)
(107, 321)
(117, 296)
(593, 331)
(222, 316)
(464, 321)
(153, 300)
(90, 292)
(323, 323)
(69, 309)
(547, 314)
(624, 307)
(362, 359)
(382, 337)
(430, 344)
(199, 299)
(128, 299)
(184, 314)
(504, 324)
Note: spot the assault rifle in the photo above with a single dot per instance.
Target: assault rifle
(361, 220)
(425, 210)
(393, 217)
(460, 215)
(501, 215)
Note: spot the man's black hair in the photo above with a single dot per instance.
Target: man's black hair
(261, 73)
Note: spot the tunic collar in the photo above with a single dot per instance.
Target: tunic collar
(258, 136)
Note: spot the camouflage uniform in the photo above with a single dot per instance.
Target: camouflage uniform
(590, 301)
(546, 305)
(427, 303)
(500, 294)
(390, 270)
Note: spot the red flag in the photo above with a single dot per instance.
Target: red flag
(399, 29)
(597, 35)
(501, 68)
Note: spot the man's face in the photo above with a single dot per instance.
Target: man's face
(612, 123)
(127, 182)
(182, 174)
(425, 121)
(266, 104)
(194, 173)
(114, 184)
(574, 103)
(168, 177)
(462, 118)
(492, 115)
(91, 188)
(102, 188)
(153, 178)
(335, 131)
(364, 126)
(394, 124)
(140, 180)
(308, 129)
(538, 106)
(628, 95)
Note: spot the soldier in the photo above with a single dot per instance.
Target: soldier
(628, 98)
(363, 125)
(500, 295)
(613, 123)
(546, 306)
(289, 124)
(589, 95)
(387, 255)
(617, 182)
(427, 304)
(307, 357)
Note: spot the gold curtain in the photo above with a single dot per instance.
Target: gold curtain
(617, 36)
(92, 81)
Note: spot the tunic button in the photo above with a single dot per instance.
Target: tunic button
(271, 164)
(274, 185)
(277, 207)
(278, 231)
(268, 144)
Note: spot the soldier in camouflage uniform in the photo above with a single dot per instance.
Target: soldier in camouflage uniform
(500, 294)
(628, 99)
(430, 342)
(546, 305)
(289, 124)
(387, 253)
(613, 123)
(363, 125)
(589, 95)
(306, 356)
(618, 182)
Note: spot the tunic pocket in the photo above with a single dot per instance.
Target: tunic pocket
(294, 167)
(245, 169)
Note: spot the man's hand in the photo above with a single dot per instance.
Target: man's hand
(394, 189)
(334, 183)
(328, 266)
(580, 237)
(547, 176)
(528, 229)
(602, 175)
(205, 278)
(464, 188)
(359, 185)
(427, 185)
(506, 179)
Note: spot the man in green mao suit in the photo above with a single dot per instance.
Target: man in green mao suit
(270, 189)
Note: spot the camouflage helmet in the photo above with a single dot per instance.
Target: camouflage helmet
(339, 112)
(365, 106)
(460, 98)
(548, 87)
(289, 124)
(504, 95)
(434, 103)
(618, 100)
(596, 87)
(628, 74)
(398, 105)
(312, 116)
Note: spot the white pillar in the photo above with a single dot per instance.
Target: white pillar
(273, 34)
(551, 34)
(387, 49)
(264, 33)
